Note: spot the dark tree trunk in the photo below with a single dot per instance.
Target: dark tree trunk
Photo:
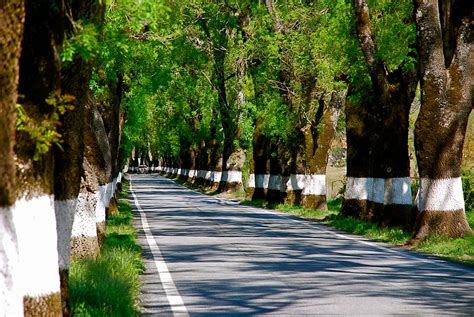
(445, 40)
(285, 155)
(277, 158)
(69, 160)
(12, 14)
(260, 162)
(393, 92)
(36, 227)
(359, 132)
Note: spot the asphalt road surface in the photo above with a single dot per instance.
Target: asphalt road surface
(211, 257)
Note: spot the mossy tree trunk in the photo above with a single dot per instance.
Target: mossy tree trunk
(445, 40)
(318, 137)
(12, 15)
(35, 216)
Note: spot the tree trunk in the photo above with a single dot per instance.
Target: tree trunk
(274, 181)
(34, 212)
(89, 222)
(445, 37)
(317, 145)
(212, 172)
(103, 170)
(359, 184)
(393, 93)
(260, 162)
(69, 160)
(12, 15)
(114, 136)
(84, 241)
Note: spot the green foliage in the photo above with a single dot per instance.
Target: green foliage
(169, 53)
(43, 133)
(395, 32)
(83, 44)
(110, 285)
(468, 189)
(461, 250)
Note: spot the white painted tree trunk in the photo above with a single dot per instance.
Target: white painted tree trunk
(84, 230)
(11, 299)
(65, 211)
(35, 224)
(440, 194)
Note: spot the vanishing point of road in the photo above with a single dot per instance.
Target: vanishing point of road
(206, 256)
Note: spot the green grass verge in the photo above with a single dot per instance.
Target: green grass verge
(110, 284)
(457, 250)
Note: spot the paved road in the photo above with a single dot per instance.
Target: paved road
(210, 257)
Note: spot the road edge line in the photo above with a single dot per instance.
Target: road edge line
(172, 294)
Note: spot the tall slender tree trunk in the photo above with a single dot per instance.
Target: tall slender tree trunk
(260, 162)
(113, 129)
(12, 15)
(212, 157)
(34, 214)
(445, 40)
(281, 164)
(102, 170)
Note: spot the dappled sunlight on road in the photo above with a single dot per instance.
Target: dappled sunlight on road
(227, 258)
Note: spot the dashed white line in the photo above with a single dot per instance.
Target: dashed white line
(172, 294)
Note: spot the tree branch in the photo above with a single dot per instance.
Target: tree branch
(377, 69)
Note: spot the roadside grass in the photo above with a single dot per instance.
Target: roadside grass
(457, 250)
(109, 285)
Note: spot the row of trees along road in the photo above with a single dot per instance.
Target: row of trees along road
(234, 94)
(60, 130)
(250, 94)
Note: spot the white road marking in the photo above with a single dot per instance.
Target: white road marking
(172, 293)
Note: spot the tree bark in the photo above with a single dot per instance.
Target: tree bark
(318, 139)
(12, 15)
(445, 38)
(261, 163)
(389, 202)
(35, 216)
(69, 160)
(359, 125)
(89, 221)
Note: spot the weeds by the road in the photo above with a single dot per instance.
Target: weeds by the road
(458, 250)
(109, 285)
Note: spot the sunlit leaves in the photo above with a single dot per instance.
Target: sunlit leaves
(84, 44)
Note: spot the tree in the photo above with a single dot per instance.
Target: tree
(84, 19)
(386, 183)
(445, 40)
(12, 14)
(41, 103)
